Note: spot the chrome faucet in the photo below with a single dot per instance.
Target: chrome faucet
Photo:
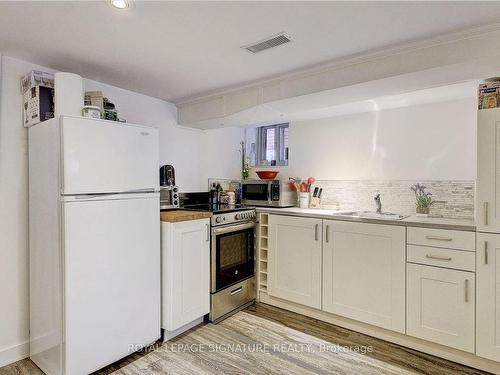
(378, 203)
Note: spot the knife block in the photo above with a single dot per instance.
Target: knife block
(315, 202)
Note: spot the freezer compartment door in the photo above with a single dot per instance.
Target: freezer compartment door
(112, 280)
(102, 156)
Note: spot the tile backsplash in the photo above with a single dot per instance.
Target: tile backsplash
(452, 199)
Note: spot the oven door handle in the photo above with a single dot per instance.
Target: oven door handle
(233, 228)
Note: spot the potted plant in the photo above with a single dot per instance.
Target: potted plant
(423, 199)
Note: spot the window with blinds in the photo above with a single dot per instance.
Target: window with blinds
(272, 145)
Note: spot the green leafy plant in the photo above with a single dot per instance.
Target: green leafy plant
(245, 167)
(423, 199)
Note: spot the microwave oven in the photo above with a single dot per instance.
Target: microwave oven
(271, 193)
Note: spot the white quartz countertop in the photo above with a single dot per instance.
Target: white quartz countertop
(411, 221)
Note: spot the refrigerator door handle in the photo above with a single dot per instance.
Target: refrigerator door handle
(147, 190)
(100, 195)
(91, 196)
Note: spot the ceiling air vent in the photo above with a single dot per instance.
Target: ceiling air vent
(271, 42)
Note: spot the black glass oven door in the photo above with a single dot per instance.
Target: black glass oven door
(234, 257)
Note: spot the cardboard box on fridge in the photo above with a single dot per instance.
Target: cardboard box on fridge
(37, 88)
(38, 105)
(489, 95)
(36, 78)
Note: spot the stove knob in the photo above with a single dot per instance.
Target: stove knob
(218, 219)
(237, 217)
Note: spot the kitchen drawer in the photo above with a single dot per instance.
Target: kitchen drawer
(447, 258)
(450, 239)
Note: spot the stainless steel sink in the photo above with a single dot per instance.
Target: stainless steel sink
(371, 215)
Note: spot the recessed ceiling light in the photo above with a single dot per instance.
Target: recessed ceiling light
(120, 4)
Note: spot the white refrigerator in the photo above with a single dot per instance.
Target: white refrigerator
(94, 242)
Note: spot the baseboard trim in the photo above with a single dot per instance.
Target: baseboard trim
(458, 356)
(14, 353)
(168, 335)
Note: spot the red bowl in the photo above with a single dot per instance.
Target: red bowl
(267, 175)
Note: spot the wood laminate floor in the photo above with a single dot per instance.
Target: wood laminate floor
(266, 340)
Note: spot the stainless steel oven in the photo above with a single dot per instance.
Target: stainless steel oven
(232, 263)
(266, 193)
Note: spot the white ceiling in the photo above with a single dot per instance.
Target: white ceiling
(179, 50)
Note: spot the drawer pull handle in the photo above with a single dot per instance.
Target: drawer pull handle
(466, 290)
(316, 227)
(485, 252)
(438, 257)
(437, 238)
(236, 291)
(327, 229)
(485, 213)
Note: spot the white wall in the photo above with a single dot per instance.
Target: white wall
(13, 215)
(188, 150)
(423, 142)
(223, 158)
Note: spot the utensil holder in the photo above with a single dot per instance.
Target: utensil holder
(304, 200)
(315, 202)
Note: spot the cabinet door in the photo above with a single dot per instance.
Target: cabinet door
(488, 171)
(294, 271)
(364, 273)
(488, 296)
(440, 306)
(186, 276)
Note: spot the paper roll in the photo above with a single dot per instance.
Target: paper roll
(68, 94)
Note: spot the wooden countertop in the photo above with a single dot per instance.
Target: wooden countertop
(176, 216)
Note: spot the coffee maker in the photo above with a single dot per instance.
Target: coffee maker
(169, 192)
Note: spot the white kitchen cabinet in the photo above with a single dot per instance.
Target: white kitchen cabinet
(440, 306)
(488, 296)
(364, 272)
(294, 259)
(488, 171)
(185, 274)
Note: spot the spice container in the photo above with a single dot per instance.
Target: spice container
(91, 111)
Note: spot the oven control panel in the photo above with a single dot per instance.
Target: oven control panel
(245, 215)
(233, 217)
